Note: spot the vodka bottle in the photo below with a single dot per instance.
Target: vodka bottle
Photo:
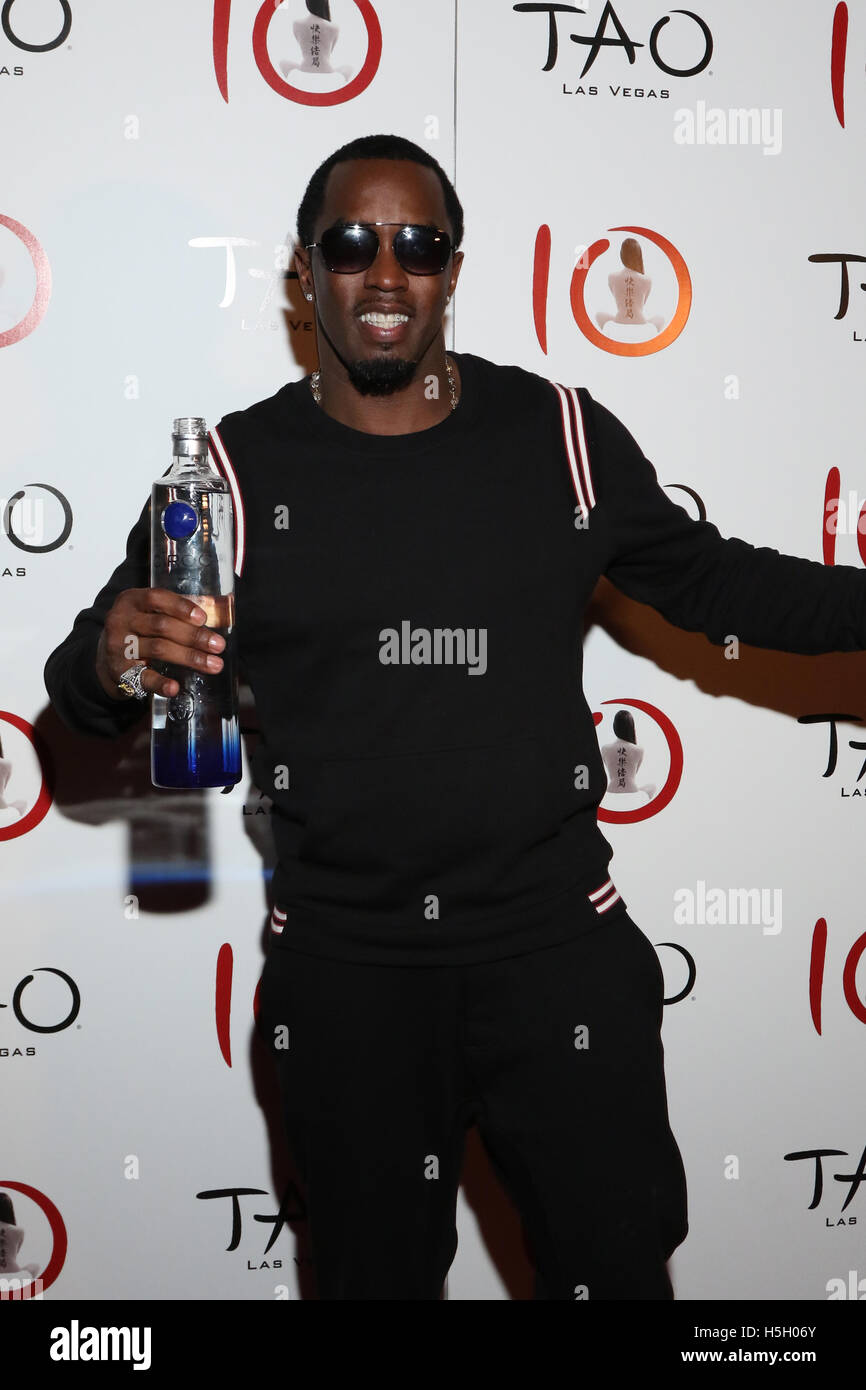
(195, 735)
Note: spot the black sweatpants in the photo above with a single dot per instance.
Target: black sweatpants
(556, 1055)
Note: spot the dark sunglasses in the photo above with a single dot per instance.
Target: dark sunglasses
(350, 248)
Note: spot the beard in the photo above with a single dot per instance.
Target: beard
(380, 376)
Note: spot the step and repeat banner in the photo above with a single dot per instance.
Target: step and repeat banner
(663, 205)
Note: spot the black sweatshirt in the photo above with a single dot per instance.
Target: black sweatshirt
(409, 620)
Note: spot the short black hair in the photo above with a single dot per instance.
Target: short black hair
(375, 147)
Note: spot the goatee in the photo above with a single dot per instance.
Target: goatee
(381, 376)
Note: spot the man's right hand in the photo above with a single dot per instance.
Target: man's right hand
(154, 625)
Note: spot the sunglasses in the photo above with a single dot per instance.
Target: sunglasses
(350, 248)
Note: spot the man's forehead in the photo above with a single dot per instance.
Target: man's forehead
(396, 190)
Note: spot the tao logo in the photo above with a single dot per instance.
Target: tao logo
(18, 1010)
(63, 35)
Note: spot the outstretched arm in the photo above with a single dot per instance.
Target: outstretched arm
(703, 582)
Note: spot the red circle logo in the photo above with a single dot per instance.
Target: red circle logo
(39, 809)
(43, 284)
(59, 1238)
(675, 770)
(352, 88)
(662, 339)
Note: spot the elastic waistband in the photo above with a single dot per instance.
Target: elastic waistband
(597, 902)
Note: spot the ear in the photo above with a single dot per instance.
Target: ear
(305, 272)
(455, 272)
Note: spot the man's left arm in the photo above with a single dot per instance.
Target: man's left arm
(703, 582)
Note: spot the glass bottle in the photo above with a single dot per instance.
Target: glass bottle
(195, 735)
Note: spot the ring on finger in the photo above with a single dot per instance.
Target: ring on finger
(130, 681)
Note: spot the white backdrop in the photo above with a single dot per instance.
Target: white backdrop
(136, 146)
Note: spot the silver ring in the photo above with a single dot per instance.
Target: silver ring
(130, 682)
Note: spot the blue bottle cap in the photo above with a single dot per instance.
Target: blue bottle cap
(179, 520)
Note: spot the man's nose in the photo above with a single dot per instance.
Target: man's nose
(386, 271)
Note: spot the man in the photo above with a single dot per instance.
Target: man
(447, 944)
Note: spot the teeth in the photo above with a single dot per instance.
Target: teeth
(384, 320)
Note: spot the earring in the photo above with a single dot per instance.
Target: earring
(307, 294)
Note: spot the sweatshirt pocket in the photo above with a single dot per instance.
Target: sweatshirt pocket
(452, 819)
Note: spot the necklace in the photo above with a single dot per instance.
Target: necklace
(316, 389)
